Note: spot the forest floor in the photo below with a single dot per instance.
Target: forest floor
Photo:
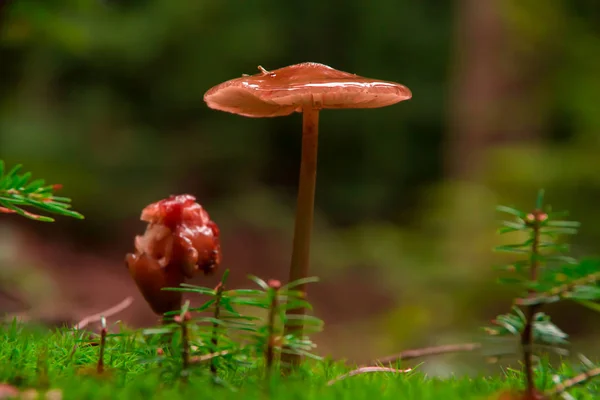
(64, 365)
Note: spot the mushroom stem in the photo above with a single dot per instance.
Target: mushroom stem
(304, 209)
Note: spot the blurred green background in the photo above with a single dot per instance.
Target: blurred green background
(105, 96)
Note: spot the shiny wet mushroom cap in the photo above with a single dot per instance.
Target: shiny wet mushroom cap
(282, 91)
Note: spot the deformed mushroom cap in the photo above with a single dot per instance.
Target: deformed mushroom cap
(285, 90)
(175, 210)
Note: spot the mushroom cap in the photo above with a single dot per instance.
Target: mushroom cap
(285, 90)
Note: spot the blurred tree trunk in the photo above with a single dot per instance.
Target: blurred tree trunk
(498, 86)
(494, 99)
(477, 86)
(3, 7)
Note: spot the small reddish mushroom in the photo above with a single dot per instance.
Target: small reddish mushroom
(180, 240)
(306, 88)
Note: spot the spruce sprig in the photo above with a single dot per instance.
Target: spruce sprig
(17, 190)
(231, 339)
(543, 273)
(531, 273)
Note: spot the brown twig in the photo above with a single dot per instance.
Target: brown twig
(185, 340)
(364, 370)
(576, 380)
(103, 333)
(98, 317)
(427, 351)
(12, 296)
(274, 285)
(208, 357)
(106, 313)
(216, 315)
(42, 368)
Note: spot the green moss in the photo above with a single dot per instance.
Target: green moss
(32, 357)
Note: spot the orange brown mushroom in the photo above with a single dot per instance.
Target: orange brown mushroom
(307, 88)
(180, 241)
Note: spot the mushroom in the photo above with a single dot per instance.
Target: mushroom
(180, 241)
(306, 88)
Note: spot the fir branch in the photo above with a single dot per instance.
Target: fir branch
(18, 191)
(529, 323)
(562, 291)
